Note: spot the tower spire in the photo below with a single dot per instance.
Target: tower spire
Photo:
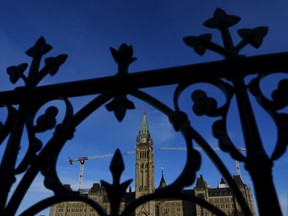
(144, 125)
(162, 181)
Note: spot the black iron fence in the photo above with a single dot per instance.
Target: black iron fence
(228, 75)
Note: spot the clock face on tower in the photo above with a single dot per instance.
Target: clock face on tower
(144, 140)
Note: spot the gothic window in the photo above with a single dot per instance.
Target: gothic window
(143, 154)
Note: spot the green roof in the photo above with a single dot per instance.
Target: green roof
(144, 125)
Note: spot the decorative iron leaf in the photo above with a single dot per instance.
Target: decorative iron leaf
(126, 51)
(123, 57)
(254, 36)
(203, 104)
(15, 72)
(40, 48)
(47, 120)
(198, 42)
(119, 105)
(123, 54)
(117, 166)
(53, 63)
(116, 190)
(220, 19)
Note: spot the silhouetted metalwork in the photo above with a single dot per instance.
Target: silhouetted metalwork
(228, 75)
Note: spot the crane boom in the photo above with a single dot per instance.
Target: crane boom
(215, 148)
(94, 157)
(82, 162)
(79, 159)
(185, 149)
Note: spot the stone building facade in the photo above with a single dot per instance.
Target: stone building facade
(98, 193)
(221, 196)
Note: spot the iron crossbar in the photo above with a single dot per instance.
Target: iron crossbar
(271, 63)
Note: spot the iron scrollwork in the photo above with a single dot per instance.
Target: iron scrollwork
(229, 75)
(257, 162)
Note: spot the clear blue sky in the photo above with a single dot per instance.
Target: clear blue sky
(86, 29)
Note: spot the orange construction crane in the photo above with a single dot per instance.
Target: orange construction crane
(215, 148)
(94, 157)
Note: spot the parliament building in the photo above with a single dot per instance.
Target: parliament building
(222, 196)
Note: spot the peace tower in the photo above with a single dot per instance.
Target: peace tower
(144, 173)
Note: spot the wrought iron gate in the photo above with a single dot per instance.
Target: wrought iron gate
(229, 75)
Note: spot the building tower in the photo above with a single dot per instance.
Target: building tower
(144, 174)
